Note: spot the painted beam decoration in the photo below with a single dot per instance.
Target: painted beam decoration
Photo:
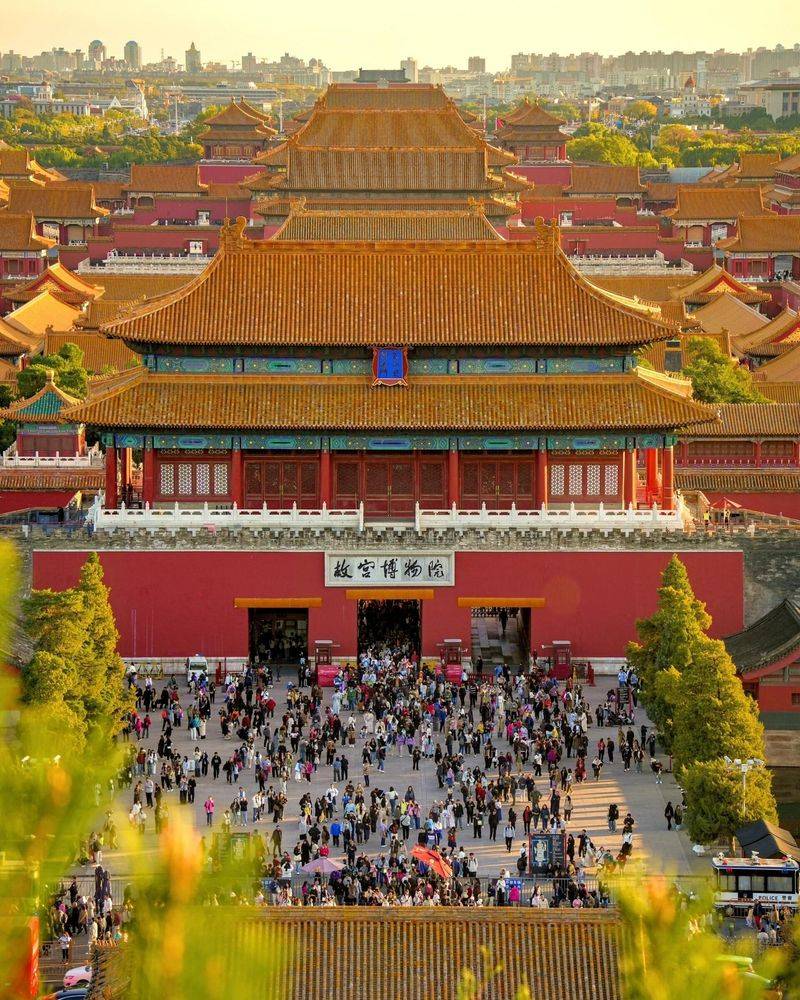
(389, 366)
(390, 569)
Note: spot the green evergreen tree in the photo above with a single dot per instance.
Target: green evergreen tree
(717, 378)
(68, 373)
(669, 638)
(692, 694)
(51, 682)
(720, 802)
(75, 654)
(105, 694)
(713, 716)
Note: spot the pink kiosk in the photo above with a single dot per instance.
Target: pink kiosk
(453, 659)
(323, 662)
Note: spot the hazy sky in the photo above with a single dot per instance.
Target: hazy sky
(351, 33)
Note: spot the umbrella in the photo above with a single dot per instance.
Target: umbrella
(322, 866)
(433, 860)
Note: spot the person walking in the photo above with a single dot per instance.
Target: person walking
(669, 813)
(208, 805)
(508, 833)
(65, 941)
(613, 816)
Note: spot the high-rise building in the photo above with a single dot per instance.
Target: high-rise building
(97, 51)
(249, 63)
(410, 66)
(194, 63)
(476, 64)
(133, 55)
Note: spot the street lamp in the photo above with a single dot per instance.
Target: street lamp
(744, 766)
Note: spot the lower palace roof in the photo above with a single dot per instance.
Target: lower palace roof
(742, 420)
(395, 225)
(765, 234)
(636, 399)
(272, 292)
(700, 203)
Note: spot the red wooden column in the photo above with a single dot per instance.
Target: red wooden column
(796, 453)
(667, 478)
(325, 477)
(148, 474)
(111, 476)
(237, 483)
(683, 453)
(453, 478)
(541, 498)
(757, 454)
(651, 468)
(126, 456)
(630, 479)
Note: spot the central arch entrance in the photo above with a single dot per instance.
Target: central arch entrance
(393, 625)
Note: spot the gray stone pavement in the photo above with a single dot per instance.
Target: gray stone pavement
(655, 848)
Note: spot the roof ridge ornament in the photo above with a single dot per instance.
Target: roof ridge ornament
(231, 235)
(547, 234)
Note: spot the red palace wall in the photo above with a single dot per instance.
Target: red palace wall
(181, 602)
(777, 698)
(227, 173)
(583, 210)
(186, 209)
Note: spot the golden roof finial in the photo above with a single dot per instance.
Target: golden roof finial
(547, 233)
(231, 235)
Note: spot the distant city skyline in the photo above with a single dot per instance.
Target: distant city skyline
(353, 33)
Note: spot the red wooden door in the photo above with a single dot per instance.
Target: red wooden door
(253, 484)
(432, 484)
(401, 488)
(497, 482)
(346, 492)
(280, 483)
(505, 485)
(525, 494)
(272, 485)
(376, 487)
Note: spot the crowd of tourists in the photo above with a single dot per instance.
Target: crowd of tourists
(509, 753)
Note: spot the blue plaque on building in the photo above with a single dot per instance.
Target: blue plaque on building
(389, 366)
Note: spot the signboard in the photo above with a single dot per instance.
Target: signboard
(389, 366)
(390, 569)
(546, 852)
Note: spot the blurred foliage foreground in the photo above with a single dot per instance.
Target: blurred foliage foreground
(187, 937)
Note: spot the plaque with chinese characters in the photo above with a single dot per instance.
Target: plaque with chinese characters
(389, 366)
(389, 569)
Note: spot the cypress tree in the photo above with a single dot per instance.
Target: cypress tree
(670, 638)
(104, 677)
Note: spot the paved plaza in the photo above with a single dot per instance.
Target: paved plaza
(656, 848)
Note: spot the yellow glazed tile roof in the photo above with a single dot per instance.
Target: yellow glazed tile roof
(56, 201)
(750, 420)
(725, 312)
(275, 292)
(36, 315)
(381, 226)
(765, 234)
(698, 203)
(509, 403)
